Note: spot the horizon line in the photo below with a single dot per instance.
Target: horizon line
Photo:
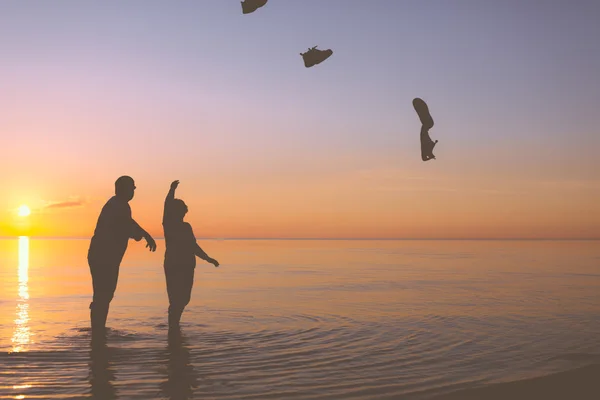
(317, 238)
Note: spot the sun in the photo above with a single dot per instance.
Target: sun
(24, 211)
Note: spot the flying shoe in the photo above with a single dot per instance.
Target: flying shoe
(250, 6)
(314, 56)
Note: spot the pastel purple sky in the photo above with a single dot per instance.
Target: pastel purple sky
(196, 91)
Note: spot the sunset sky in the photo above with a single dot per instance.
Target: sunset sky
(264, 147)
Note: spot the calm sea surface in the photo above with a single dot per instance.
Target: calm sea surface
(301, 319)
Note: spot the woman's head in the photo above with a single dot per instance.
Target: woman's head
(179, 209)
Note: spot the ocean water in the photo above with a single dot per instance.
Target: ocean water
(300, 319)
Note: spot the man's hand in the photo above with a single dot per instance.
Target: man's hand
(174, 185)
(214, 262)
(150, 243)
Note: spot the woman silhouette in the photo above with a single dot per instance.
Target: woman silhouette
(180, 255)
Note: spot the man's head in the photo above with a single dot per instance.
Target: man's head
(179, 209)
(124, 187)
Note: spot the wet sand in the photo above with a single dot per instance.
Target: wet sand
(578, 384)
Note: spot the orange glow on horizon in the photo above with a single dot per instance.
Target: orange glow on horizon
(377, 203)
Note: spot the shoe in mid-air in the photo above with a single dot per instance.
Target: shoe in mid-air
(249, 6)
(427, 144)
(315, 56)
(423, 112)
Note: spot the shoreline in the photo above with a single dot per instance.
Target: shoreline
(581, 383)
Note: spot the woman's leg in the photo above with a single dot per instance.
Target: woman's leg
(179, 286)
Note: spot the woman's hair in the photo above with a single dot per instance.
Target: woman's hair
(179, 208)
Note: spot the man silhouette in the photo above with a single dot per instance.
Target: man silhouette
(114, 228)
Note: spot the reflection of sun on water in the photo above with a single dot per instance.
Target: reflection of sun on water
(21, 335)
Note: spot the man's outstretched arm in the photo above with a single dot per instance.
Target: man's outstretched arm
(138, 233)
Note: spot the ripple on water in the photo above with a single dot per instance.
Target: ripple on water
(282, 356)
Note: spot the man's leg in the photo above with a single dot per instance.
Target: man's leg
(104, 280)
